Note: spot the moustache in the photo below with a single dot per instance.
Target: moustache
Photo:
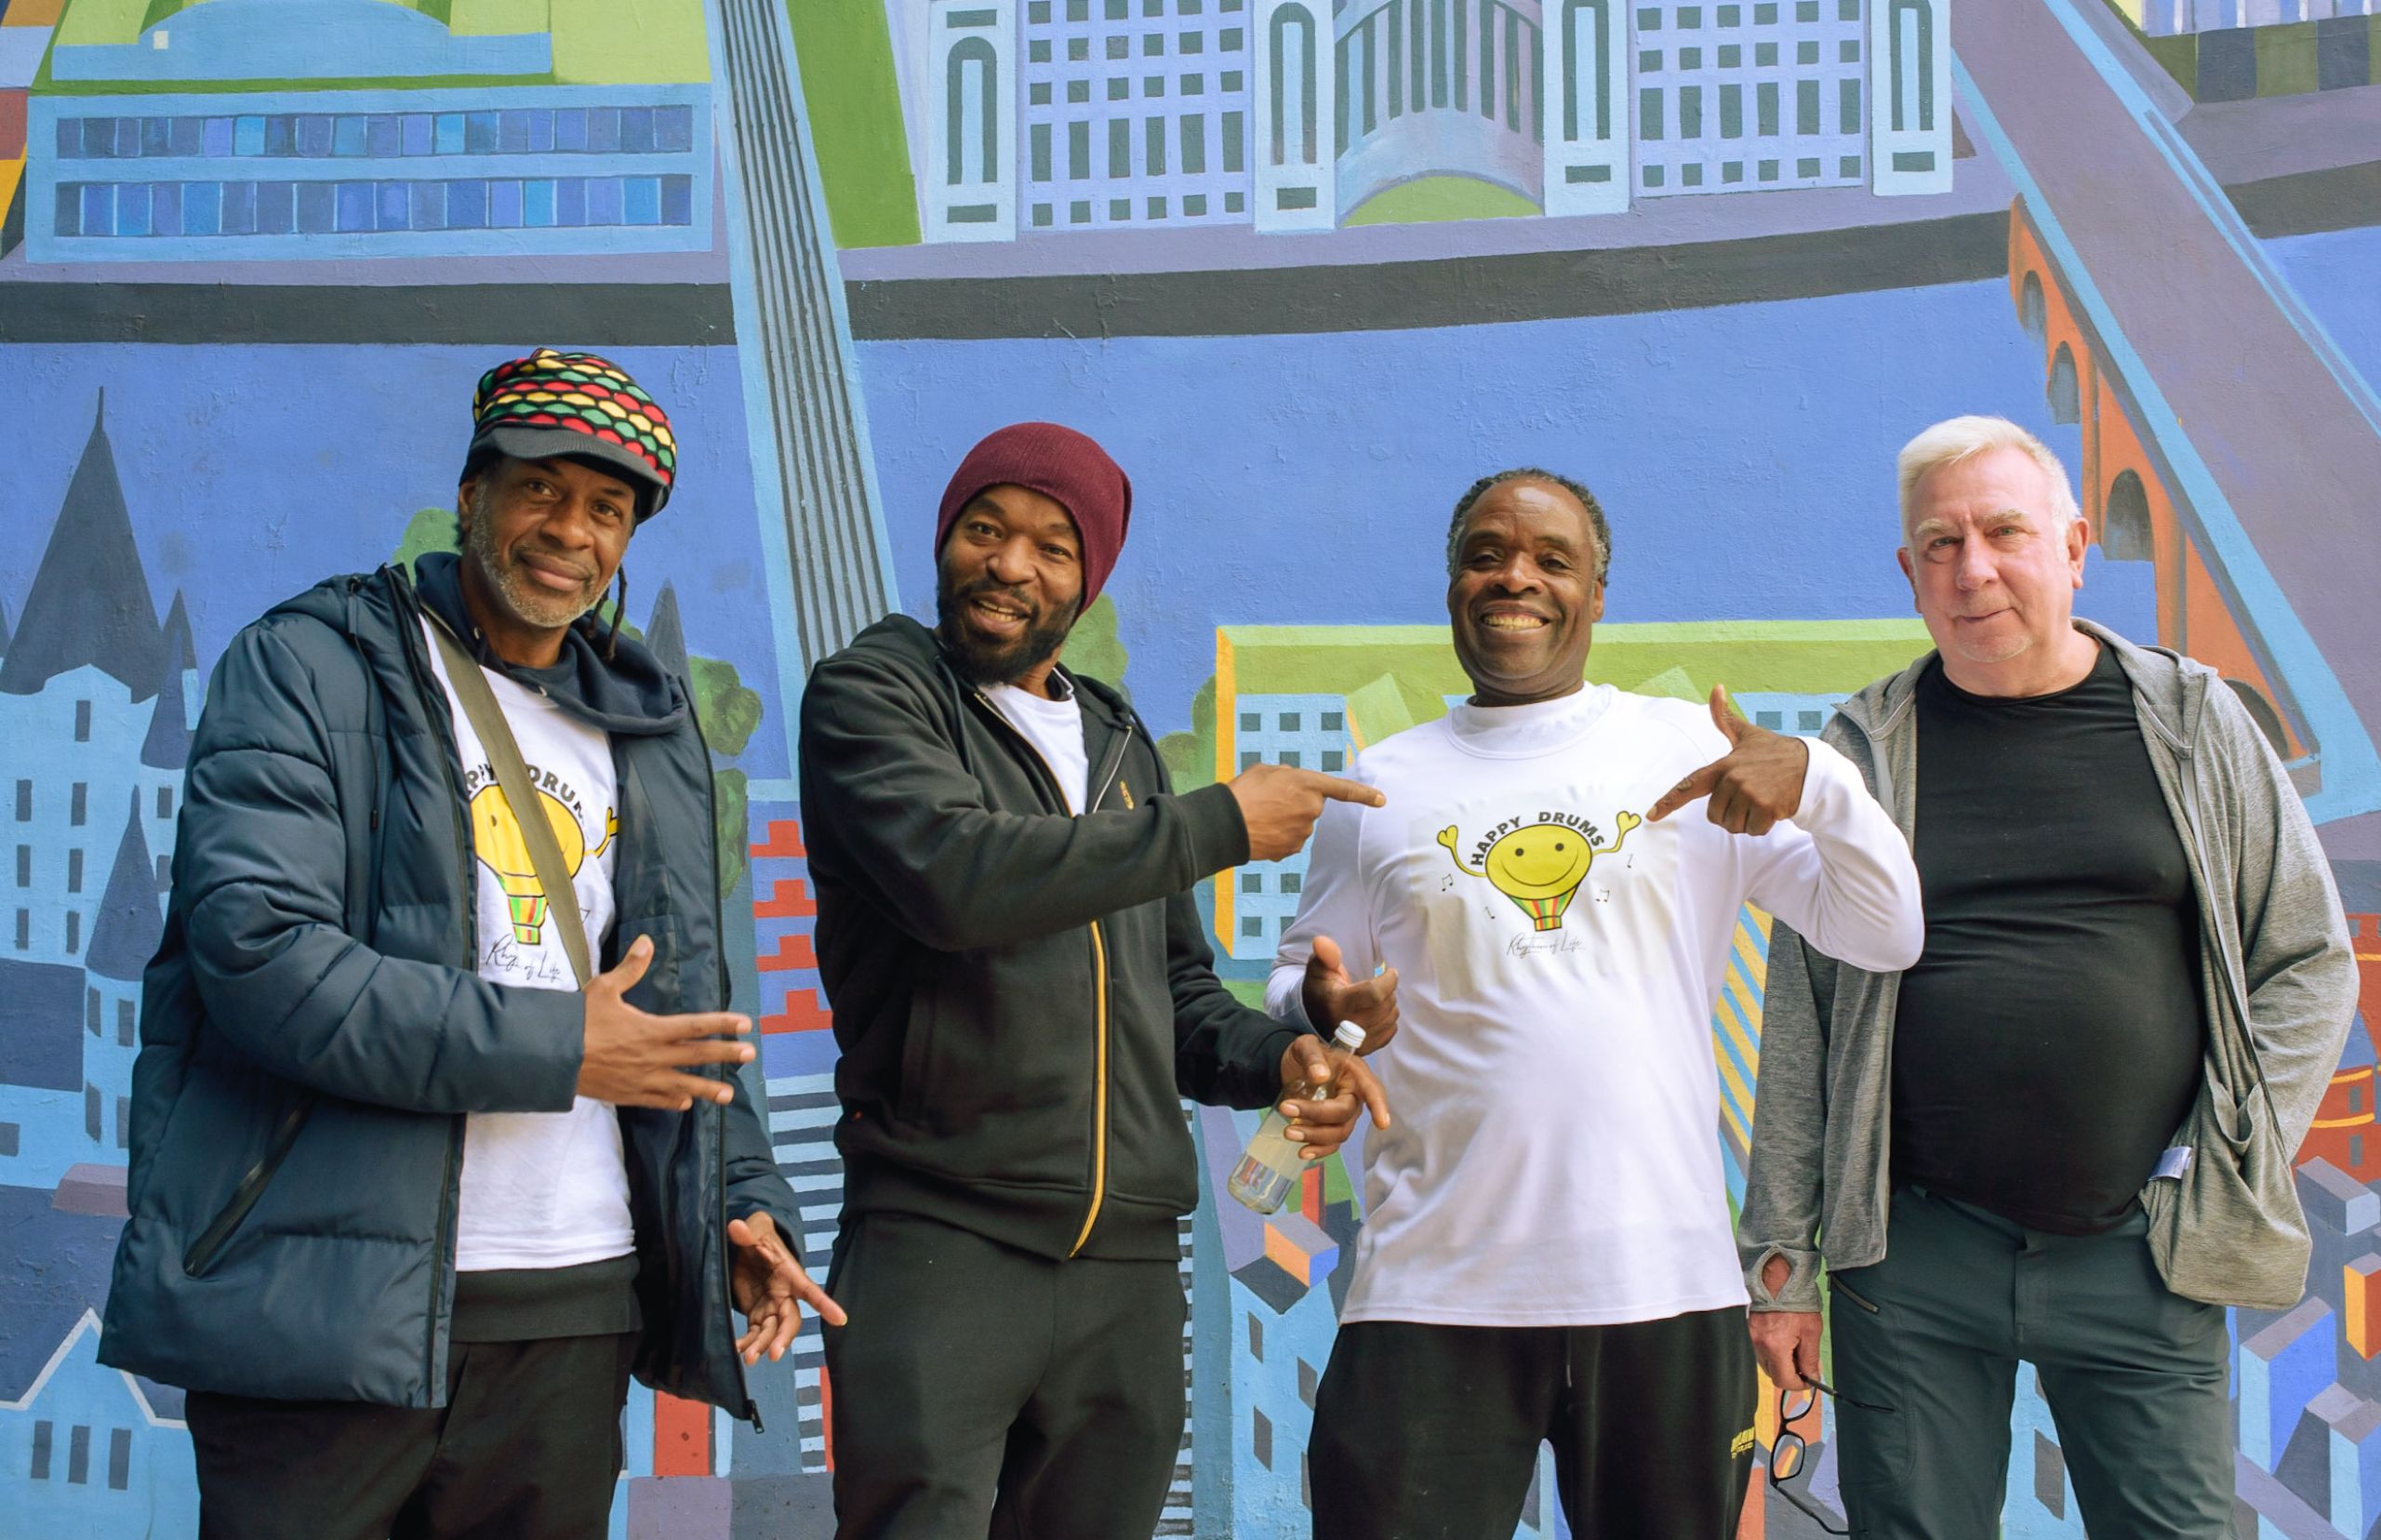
(1015, 597)
(557, 560)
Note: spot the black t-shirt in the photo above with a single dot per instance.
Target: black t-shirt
(2048, 1043)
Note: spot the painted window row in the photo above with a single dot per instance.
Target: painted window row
(1119, 87)
(1806, 169)
(1042, 13)
(1688, 17)
(78, 1455)
(328, 207)
(516, 130)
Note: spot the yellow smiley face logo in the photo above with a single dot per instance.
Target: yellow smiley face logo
(1540, 865)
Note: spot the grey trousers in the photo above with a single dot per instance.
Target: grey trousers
(2135, 1375)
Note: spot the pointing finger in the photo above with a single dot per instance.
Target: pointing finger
(1350, 792)
(1366, 1084)
(1700, 784)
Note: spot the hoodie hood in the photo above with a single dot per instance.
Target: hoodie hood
(630, 693)
(2170, 687)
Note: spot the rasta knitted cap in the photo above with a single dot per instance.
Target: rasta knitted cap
(1061, 464)
(551, 405)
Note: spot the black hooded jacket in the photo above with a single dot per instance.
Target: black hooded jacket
(1021, 996)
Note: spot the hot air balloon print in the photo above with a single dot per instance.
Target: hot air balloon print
(1540, 865)
(497, 839)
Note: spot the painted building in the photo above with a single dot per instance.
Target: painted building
(86, 1452)
(298, 129)
(2170, 17)
(88, 829)
(1284, 115)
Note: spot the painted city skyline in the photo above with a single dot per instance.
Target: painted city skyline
(1456, 262)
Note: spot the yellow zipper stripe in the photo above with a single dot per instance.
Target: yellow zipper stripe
(1099, 1088)
(1100, 1004)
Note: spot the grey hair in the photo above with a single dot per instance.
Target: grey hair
(1479, 489)
(1959, 439)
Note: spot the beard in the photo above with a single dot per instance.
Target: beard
(987, 662)
(530, 601)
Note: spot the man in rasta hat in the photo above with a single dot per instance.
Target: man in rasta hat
(1022, 994)
(409, 1203)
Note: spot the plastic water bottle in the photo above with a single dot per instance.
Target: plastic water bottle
(1270, 1166)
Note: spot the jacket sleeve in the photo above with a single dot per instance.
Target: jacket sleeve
(1785, 1180)
(260, 871)
(754, 1184)
(1332, 902)
(880, 768)
(1842, 874)
(2299, 963)
(1225, 1052)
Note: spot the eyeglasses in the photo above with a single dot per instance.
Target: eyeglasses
(1788, 1453)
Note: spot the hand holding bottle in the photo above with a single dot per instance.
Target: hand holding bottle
(1320, 1091)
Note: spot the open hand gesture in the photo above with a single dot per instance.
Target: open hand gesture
(632, 1058)
(771, 1288)
(1755, 783)
(1330, 997)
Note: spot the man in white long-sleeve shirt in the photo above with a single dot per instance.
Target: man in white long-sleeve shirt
(1547, 1252)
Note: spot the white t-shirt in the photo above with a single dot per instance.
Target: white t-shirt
(1555, 1158)
(539, 1190)
(1052, 726)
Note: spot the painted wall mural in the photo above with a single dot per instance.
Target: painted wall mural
(1307, 269)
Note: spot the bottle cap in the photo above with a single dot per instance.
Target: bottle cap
(1349, 1036)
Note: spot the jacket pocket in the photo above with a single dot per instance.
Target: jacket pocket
(1835, 1281)
(917, 1062)
(211, 1241)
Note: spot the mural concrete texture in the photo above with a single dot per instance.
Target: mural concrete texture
(1307, 269)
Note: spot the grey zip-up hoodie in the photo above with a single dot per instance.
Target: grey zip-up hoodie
(2278, 978)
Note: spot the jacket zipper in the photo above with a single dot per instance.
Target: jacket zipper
(416, 653)
(251, 1188)
(792, 1243)
(1100, 974)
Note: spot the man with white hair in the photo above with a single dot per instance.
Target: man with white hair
(2065, 1135)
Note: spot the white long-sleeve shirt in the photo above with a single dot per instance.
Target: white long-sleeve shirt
(1555, 1158)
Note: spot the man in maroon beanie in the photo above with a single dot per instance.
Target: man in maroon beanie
(1022, 993)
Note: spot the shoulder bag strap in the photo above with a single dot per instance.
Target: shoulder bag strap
(496, 736)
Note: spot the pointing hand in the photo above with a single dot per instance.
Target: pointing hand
(1755, 783)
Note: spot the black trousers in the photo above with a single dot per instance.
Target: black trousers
(981, 1391)
(1431, 1433)
(529, 1448)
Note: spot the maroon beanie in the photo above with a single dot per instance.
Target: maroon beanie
(1061, 464)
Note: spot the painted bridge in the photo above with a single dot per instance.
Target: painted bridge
(2224, 437)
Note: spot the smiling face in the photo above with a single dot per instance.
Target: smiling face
(541, 541)
(1010, 585)
(1524, 598)
(1994, 572)
(1538, 861)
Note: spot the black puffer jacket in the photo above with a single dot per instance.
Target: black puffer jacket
(1021, 996)
(312, 1032)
